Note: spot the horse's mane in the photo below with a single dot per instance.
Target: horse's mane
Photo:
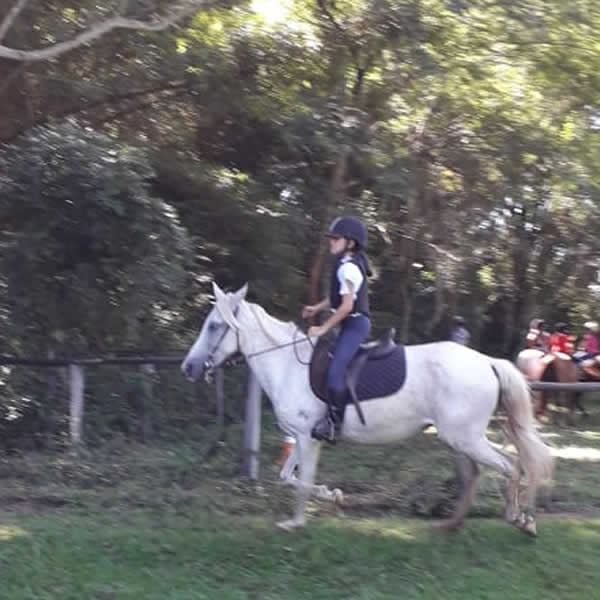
(273, 328)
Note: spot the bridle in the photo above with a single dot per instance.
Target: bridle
(234, 359)
(237, 357)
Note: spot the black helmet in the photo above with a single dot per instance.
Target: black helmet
(561, 327)
(458, 320)
(350, 228)
(536, 323)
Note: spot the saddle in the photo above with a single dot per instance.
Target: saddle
(377, 369)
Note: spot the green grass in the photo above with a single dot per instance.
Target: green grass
(137, 555)
(166, 522)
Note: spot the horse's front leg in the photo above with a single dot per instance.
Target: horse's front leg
(287, 476)
(289, 466)
(307, 451)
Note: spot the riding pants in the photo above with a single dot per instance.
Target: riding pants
(354, 332)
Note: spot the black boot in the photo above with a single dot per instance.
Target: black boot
(329, 426)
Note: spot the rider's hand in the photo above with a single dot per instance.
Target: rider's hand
(309, 311)
(316, 331)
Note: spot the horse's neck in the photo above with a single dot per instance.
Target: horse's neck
(265, 330)
(277, 368)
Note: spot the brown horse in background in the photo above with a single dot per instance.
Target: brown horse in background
(555, 367)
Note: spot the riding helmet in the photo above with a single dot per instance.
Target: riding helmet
(350, 228)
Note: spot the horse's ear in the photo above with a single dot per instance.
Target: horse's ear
(217, 290)
(240, 294)
(225, 305)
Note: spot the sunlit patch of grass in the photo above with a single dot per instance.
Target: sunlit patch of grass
(400, 530)
(549, 434)
(589, 435)
(583, 529)
(9, 532)
(577, 453)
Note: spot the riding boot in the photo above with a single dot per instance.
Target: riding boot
(329, 426)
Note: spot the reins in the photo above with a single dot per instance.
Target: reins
(294, 343)
(238, 357)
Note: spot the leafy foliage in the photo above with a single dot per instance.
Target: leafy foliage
(466, 135)
(86, 235)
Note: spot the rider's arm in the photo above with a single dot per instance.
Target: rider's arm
(343, 310)
(323, 305)
(312, 310)
(532, 337)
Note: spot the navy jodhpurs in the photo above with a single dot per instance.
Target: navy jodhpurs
(353, 333)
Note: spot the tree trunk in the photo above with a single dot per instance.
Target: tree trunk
(337, 189)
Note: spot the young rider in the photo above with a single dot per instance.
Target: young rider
(537, 336)
(589, 349)
(348, 297)
(562, 340)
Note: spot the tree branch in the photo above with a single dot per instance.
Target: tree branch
(83, 108)
(98, 30)
(329, 16)
(13, 13)
(432, 246)
(135, 108)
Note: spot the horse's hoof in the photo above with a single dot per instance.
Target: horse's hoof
(511, 516)
(338, 497)
(526, 523)
(290, 525)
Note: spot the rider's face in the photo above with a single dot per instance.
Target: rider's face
(337, 245)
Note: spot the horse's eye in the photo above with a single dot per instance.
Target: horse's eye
(213, 326)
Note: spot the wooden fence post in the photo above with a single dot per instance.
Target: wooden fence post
(220, 401)
(147, 404)
(76, 387)
(251, 442)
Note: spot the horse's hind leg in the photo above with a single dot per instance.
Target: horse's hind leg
(482, 452)
(578, 405)
(468, 473)
(540, 402)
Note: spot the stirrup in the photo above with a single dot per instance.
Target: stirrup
(325, 430)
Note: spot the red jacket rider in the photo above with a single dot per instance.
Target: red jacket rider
(562, 341)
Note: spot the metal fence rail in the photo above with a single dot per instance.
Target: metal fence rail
(251, 439)
(76, 368)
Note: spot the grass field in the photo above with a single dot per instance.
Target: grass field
(164, 522)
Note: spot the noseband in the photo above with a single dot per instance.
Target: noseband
(234, 359)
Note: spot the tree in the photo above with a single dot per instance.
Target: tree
(156, 22)
(92, 260)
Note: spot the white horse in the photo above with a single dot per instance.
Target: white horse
(449, 386)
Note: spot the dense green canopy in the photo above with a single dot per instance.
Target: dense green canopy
(141, 165)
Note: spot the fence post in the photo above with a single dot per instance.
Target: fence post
(251, 442)
(220, 400)
(147, 404)
(76, 387)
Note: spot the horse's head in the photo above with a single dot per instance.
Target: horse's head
(219, 337)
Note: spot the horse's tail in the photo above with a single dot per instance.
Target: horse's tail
(534, 454)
